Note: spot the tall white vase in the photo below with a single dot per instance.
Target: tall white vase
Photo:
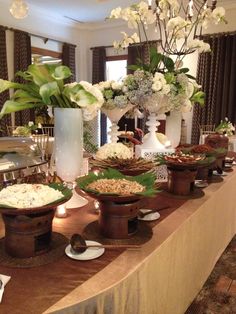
(173, 127)
(68, 134)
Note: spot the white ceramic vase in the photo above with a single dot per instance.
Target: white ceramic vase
(173, 127)
(114, 115)
(68, 134)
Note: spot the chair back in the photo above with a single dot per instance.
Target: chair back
(205, 129)
(10, 130)
(42, 142)
(48, 130)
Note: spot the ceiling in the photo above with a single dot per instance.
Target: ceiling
(81, 10)
(87, 11)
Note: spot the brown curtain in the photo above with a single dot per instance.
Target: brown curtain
(99, 64)
(68, 59)
(217, 75)
(22, 59)
(6, 120)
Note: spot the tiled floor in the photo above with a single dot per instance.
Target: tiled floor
(218, 295)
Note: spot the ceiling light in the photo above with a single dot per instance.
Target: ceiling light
(19, 9)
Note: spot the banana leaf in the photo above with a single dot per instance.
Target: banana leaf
(146, 179)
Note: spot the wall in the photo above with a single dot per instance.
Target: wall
(40, 23)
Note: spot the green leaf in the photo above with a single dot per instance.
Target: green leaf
(191, 77)
(133, 67)
(83, 98)
(13, 106)
(24, 96)
(61, 72)
(184, 70)
(47, 90)
(5, 85)
(146, 179)
(199, 98)
(39, 74)
(169, 63)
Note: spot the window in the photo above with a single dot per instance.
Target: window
(43, 56)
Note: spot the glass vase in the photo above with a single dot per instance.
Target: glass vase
(114, 115)
(69, 149)
(173, 127)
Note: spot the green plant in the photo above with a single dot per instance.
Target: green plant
(44, 85)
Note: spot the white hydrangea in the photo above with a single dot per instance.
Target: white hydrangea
(118, 150)
(116, 85)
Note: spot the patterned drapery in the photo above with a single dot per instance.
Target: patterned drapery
(6, 120)
(68, 59)
(217, 75)
(99, 65)
(22, 59)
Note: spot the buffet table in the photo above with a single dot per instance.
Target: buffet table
(162, 277)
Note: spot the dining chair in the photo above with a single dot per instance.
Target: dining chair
(205, 129)
(10, 130)
(48, 130)
(42, 142)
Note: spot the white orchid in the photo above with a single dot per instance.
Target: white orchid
(218, 14)
(199, 45)
(116, 13)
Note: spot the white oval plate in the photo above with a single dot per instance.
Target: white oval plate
(215, 173)
(149, 217)
(200, 183)
(90, 253)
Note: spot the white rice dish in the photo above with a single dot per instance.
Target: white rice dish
(28, 195)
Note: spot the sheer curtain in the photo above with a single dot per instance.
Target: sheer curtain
(22, 59)
(217, 75)
(6, 120)
(98, 75)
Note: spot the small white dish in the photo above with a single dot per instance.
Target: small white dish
(228, 165)
(200, 183)
(215, 173)
(90, 253)
(149, 217)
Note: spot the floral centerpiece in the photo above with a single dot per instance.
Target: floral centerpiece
(225, 127)
(26, 130)
(72, 103)
(178, 28)
(116, 104)
(44, 86)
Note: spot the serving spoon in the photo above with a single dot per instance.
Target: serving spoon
(78, 245)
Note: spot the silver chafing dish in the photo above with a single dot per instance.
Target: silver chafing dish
(20, 161)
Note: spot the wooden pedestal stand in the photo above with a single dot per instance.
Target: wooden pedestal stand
(181, 180)
(118, 220)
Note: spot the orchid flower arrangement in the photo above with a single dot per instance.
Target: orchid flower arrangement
(225, 127)
(44, 86)
(178, 28)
